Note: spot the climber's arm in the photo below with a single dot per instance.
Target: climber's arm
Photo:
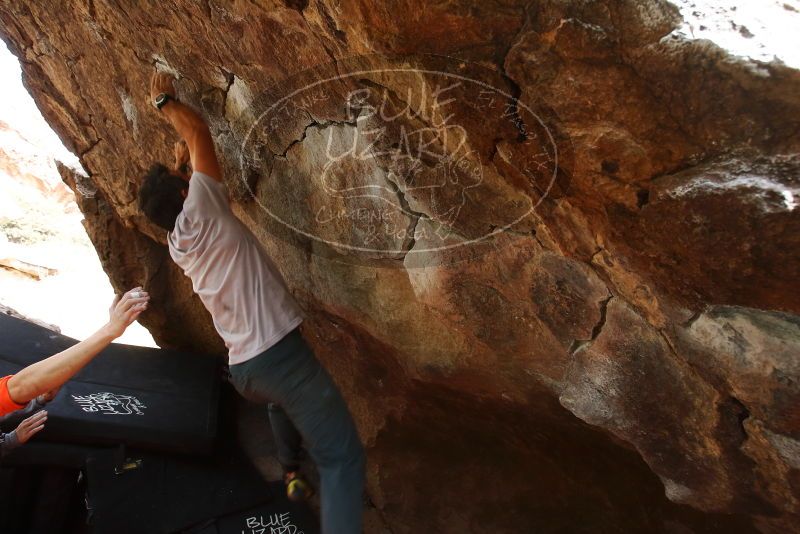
(182, 165)
(198, 139)
(189, 125)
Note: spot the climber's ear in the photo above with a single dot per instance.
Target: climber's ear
(185, 193)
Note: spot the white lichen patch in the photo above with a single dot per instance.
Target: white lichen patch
(592, 395)
(162, 65)
(675, 491)
(788, 448)
(129, 108)
(760, 185)
(239, 99)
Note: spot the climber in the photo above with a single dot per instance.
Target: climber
(253, 311)
(287, 438)
(46, 376)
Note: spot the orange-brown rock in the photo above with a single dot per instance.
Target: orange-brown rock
(547, 249)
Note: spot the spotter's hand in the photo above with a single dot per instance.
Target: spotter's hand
(30, 426)
(126, 309)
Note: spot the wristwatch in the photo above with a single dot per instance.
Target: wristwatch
(162, 99)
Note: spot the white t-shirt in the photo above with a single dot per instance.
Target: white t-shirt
(236, 280)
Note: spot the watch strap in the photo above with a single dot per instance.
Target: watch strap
(162, 99)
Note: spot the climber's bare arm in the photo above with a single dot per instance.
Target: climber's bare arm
(189, 125)
(51, 373)
(194, 131)
(182, 160)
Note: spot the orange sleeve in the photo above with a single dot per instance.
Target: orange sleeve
(6, 404)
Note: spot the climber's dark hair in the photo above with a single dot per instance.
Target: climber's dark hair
(160, 196)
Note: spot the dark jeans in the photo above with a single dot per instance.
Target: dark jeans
(288, 440)
(288, 374)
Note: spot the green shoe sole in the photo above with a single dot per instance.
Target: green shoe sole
(298, 490)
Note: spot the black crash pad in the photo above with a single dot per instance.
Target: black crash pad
(135, 491)
(141, 397)
(141, 492)
(41, 499)
(280, 516)
(162, 494)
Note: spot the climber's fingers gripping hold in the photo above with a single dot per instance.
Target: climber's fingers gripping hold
(161, 82)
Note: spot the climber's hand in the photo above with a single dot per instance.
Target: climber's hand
(190, 126)
(161, 82)
(182, 158)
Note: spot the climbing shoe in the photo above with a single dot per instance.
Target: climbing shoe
(297, 487)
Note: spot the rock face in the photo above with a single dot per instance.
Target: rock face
(14, 313)
(21, 162)
(548, 250)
